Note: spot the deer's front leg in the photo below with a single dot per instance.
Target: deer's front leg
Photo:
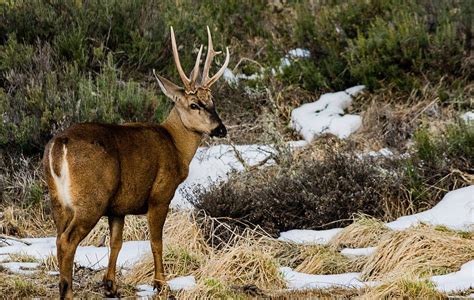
(156, 220)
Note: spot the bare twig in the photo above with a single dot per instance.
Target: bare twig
(7, 237)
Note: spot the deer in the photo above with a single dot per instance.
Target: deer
(94, 170)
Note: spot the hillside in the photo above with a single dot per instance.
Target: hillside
(347, 169)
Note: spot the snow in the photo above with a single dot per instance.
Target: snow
(182, 283)
(234, 79)
(299, 53)
(292, 55)
(302, 236)
(145, 291)
(326, 115)
(455, 211)
(214, 164)
(26, 268)
(89, 256)
(301, 281)
(358, 251)
(468, 116)
(457, 281)
(384, 152)
(175, 284)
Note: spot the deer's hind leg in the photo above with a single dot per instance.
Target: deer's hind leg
(116, 229)
(75, 232)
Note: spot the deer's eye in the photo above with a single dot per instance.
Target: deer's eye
(194, 106)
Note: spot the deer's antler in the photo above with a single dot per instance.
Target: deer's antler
(206, 82)
(189, 84)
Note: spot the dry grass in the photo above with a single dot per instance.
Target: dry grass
(247, 265)
(50, 263)
(30, 222)
(364, 232)
(21, 257)
(324, 260)
(184, 249)
(420, 250)
(405, 286)
(135, 228)
(389, 118)
(248, 261)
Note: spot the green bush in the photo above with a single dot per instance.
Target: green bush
(47, 97)
(439, 163)
(383, 42)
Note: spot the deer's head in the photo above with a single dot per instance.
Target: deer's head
(194, 101)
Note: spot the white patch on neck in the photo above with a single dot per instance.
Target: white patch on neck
(63, 181)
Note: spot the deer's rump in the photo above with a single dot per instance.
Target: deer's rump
(104, 169)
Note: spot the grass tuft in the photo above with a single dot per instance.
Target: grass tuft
(419, 250)
(365, 232)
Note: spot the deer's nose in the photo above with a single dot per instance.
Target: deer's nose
(220, 131)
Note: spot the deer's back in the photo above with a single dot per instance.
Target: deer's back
(107, 168)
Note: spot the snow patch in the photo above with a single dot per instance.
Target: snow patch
(301, 281)
(175, 284)
(468, 116)
(234, 79)
(358, 251)
(457, 281)
(455, 211)
(302, 236)
(326, 115)
(214, 164)
(26, 268)
(182, 283)
(292, 55)
(89, 256)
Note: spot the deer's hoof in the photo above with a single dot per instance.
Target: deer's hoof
(110, 288)
(159, 285)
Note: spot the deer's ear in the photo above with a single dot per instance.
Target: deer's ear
(170, 89)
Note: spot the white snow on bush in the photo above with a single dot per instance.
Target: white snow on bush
(358, 251)
(303, 281)
(234, 79)
(468, 116)
(292, 55)
(457, 281)
(326, 115)
(89, 256)
(303, 236)
(455, 211)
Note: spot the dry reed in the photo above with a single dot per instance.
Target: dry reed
(405, 286)
(421, 250)
(364, 232)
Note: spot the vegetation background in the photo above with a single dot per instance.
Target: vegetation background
(63, 62)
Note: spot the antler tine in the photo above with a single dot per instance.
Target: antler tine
(195, 71)
(186, 81)
(221, 70)
(209, 57)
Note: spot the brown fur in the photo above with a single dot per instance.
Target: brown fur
(116, 170)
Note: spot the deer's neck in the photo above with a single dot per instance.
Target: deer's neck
(185, 140)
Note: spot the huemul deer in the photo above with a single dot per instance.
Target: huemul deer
(96, 170)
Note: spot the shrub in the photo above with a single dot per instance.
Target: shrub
(383, 42)
(46, 97)
(441, 163)
(315, 194)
